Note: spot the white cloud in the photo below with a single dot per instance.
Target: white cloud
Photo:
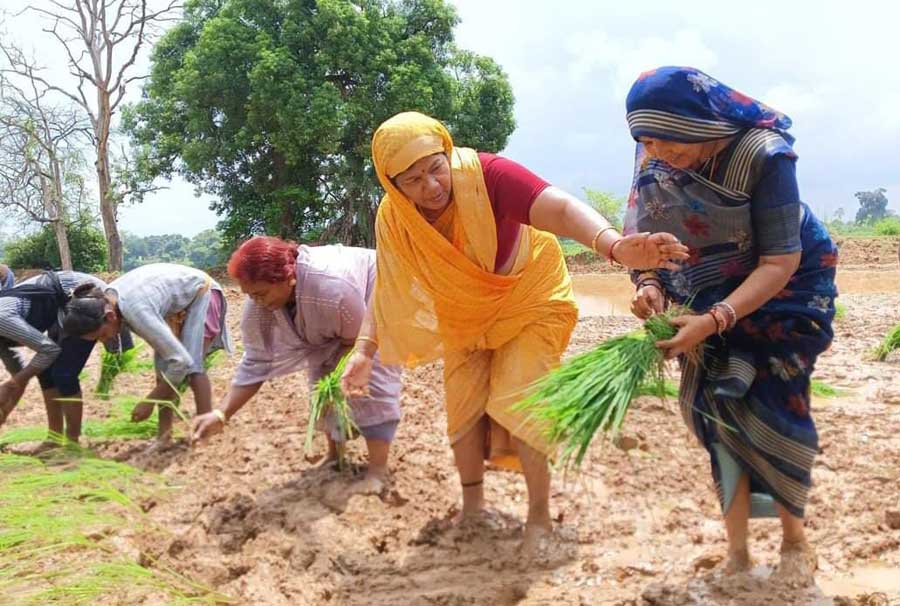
(624, 58)
(793, 99)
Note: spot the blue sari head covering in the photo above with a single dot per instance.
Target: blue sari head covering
(685, 105)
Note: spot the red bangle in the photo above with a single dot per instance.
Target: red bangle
(612, 252)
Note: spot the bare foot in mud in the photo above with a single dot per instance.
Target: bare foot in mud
(481, 519)
(536, 541)
(798, 564)
(142, 411)
(329, 460)
(738, 562)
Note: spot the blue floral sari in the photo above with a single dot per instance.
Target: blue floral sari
(748, 402)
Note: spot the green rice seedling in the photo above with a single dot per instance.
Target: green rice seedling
(824, 390)
(55, 518)
(328, 395)
(840, 312)
(668, 389)
(890, 343)
(592, 391)
(114, 364)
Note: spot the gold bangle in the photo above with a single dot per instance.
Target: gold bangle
(220, 414)
(597, 236)
(369, 339)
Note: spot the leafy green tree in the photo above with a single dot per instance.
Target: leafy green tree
(872, 205)
(40, 251)
(608, 205)
(205, 250)
(270, 105)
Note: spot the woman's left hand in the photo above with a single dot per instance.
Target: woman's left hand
(650, 251)
(692, 331)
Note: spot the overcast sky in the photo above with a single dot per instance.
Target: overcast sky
(831, 66)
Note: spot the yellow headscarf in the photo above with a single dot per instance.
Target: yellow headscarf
(436, 288)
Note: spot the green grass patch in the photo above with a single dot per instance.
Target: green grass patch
(571, 248)
(57, 517)
(824, 390)
(890, 342)
(328, 396)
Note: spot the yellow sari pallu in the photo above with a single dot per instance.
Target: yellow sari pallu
(437, 294)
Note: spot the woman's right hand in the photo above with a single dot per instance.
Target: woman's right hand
(647, 301)
(357, 374)
(205, 426)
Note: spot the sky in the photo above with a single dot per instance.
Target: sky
(831, 66)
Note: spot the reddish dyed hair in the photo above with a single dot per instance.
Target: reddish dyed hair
(264, 259)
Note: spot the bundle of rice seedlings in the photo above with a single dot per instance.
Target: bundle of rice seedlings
(114, 364)
(328, 396)
(890, 343)
(592, 391)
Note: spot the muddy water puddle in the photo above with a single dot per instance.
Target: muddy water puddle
(610, 294)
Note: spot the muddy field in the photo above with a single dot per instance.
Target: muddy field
(255, 518)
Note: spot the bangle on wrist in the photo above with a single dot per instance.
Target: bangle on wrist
(612, 253)
(595, 242)
(220, 414)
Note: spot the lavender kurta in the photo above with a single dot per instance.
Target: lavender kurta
(334, 284)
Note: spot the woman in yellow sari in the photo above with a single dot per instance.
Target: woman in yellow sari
(469, 270)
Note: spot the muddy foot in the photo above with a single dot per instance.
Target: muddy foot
(536, 541)
(738, 563)
(798, 565)
(483, 519)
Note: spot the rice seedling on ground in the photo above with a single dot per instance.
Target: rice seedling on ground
(57, 521)
(591, 392)
(117, 426)
(824, 390)
(328, 396)
(666, 389)
(840, 312)
(890, 343)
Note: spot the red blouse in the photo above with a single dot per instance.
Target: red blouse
(512, 189)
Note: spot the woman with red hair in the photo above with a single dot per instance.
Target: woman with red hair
(304, 310)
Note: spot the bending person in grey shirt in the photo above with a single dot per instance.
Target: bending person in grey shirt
(179, 311)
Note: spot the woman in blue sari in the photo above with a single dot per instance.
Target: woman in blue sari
(717, 169)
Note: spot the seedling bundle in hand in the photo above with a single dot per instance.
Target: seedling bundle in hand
(592, 391)
(328, 395)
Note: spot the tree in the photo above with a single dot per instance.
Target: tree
(606, 204)
(872, 205)
(39, 156)
(271, 104)
(101, 40)
(39, 250)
